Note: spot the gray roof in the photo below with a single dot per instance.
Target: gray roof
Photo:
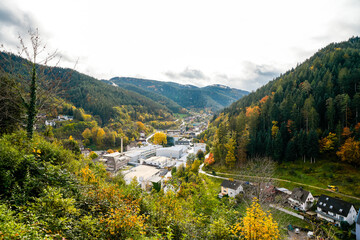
(334, 205)
(299, 194)
(231, 184)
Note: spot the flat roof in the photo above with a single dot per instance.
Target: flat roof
(115, 154)
(142, 171)
(157, 159)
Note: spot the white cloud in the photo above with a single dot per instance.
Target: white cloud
(249, 42)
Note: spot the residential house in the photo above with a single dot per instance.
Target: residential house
(230, 188)
(301, 199)
(335, 210)
(50, 123)
(358, 226)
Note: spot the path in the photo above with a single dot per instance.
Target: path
(276, 179)
(287, 211)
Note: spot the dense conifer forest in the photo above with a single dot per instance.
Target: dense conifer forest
(310, 110)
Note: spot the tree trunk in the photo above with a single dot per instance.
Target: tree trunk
(31, 107)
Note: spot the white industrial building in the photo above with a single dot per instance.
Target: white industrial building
(115, 161)
(160, 161)
(145, 175)
(136, 154)
(171, 152)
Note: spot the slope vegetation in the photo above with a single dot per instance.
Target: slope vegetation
(310, 110)
(187, 96)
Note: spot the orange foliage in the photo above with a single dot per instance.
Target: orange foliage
(210, 160)
(346, 132)
(289, 125)
(357, 127)
(264, 99)
(350, 151)
(252, 111)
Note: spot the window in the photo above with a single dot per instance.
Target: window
(320, 203)
(327, 199)
(340, 210)
(331, 207)
(324, 204)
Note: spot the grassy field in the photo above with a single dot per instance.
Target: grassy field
(324, 172)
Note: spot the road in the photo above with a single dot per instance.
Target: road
(276, 179)
(148, 138)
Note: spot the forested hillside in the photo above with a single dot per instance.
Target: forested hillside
(92, 95)
(170, 104)
(213, 97)
(310, 110)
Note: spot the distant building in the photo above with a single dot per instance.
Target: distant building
(64, 118)
(115, 161)
(284, 191)
(172, 133)
(51, 123)
(301, 199)
(335, 210)
(135, 154)
(199, 146)
(171, 152)
(358, 226)
(160, 161)
(230, 188)
(183, 142)
(145, 176)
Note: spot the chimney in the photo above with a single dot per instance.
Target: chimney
(122, 147)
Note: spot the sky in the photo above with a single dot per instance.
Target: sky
(241, 44)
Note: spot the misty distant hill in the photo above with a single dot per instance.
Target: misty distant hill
(172, 94)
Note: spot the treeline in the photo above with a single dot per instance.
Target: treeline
(286, 118)
(187, 96)
(94, 96)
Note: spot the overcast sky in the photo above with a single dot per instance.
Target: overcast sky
(242, 44)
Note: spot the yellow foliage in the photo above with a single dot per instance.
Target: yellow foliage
(256, 225)
(274, 129)
(160, 138)
(71, 138)
(327, 143)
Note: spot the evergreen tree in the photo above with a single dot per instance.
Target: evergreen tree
(312, 145)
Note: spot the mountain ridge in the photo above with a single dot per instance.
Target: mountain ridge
(214, 97)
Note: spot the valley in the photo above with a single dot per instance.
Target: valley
(132, 158)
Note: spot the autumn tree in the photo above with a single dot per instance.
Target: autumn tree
(327, 144)
(230, 156)
(160, 138)
(210, 160)
(350, 151)
(141, 126)
(256, 224)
